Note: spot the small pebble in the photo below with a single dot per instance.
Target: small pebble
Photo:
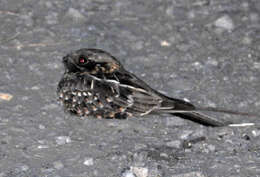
(43, 146)
(36, 87)
(61, 140)
(140, 171)
(211, 148)
(88, 161)
(75, 15)
(225, 22)
(41, 126)
(256, 65)
(185, 134)
(174, 144)
(5, 96)
(256, 133)
(165, 44)
(128, 173)
(58, 165)
(24, 167)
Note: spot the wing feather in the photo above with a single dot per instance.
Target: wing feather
(137, 100)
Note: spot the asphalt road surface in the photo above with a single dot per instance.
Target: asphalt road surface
(205, 51)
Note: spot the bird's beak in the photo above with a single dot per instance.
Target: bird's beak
(69, 67)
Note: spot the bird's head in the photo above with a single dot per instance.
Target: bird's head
(92, 61)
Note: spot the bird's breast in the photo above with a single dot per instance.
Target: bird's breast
(85, 95)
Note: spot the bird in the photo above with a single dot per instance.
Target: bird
(96, 84)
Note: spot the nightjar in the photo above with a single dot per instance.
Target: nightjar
(96, 84)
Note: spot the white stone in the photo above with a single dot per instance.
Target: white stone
(75, 15)
(88, 161)
(58, 165)
(60, 140)
(225, 22)
(128, 173)
(140, 171)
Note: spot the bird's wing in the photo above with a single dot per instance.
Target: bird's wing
(134, 99)
(141, 102)
(140, 98)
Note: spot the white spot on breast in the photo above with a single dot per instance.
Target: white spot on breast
(61, 95)
(109, 99)
(86, 111)
(66, 97)
(79, 94)
(74, 99)
(100, 105)
(94, 108)
(88, 100)
(79, 112)
(98, 116)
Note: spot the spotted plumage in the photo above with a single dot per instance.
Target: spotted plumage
(96, 84)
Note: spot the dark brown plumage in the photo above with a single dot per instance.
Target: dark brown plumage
(96, 84)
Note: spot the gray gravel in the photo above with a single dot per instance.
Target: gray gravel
(206, 51)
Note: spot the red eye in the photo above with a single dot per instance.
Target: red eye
(82, 60)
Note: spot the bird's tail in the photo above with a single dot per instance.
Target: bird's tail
(188, 111)
(202, 119)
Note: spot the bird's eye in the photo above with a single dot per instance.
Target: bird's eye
(82, 60)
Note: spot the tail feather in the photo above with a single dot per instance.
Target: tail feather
(202, 119)
(188, 111)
